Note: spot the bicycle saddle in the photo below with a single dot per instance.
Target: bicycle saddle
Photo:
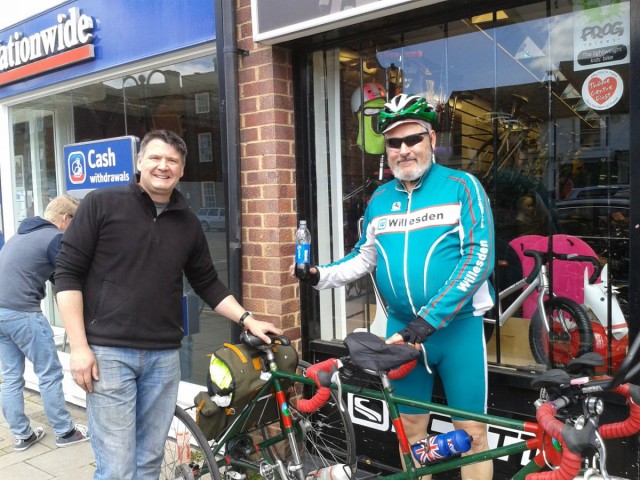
(369, 352)
(251, 340)
(551, 378)
(589, 359)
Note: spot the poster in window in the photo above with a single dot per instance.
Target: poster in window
(601, 36)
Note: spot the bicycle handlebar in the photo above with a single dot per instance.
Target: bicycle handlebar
(573, 441)
(254, 341)
(631, 425)
(324, 392)
(543, 257)
(322, 372)
(403, 370)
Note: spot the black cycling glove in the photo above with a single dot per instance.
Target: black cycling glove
(417, 331)
(308, 277)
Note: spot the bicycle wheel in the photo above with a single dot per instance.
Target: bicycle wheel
(570, 335)
(187, 455)
(326, 437)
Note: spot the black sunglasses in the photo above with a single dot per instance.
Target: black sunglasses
(409, 140)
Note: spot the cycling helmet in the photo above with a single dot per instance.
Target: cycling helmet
(369, 91)
(406, 107)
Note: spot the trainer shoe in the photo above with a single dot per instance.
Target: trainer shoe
(22, 444)
(79, 434)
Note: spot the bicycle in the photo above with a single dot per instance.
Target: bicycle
(513, 143)
(278, 440)
(555, 318)
(314, 430)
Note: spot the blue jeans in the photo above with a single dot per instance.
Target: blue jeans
(130, 410)
(28, 334)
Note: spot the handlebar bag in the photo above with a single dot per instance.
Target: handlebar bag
(236, 375)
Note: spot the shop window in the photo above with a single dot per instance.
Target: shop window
(517, 93)
(133, 104)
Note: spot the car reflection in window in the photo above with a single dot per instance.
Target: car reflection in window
(603, 223)
(212, 218)
(600, 191)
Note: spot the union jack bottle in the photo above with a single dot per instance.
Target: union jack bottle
(436, 448)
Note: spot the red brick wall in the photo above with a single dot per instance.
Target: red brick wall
(267, 172)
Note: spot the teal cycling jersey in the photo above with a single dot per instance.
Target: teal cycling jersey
(432, 248)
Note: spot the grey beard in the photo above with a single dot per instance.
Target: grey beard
(410, 177)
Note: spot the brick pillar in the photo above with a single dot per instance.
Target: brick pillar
(267, 172)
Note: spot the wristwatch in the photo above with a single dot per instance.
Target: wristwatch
(243, 318)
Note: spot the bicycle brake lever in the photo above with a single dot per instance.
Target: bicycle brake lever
(335, 378)
(602, 454)
(424, 357)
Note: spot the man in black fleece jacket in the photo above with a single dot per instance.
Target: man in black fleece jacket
(119, 291)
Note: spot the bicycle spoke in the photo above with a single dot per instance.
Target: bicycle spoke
(326, 436)
(570, 334)
(186, 453)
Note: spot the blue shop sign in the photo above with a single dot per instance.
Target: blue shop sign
(107, 35)
(99, 164)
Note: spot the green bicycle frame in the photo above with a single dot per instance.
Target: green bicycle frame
(288, 430)
(386, 395)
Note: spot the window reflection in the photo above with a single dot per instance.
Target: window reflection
(509, 89)
(182, 97)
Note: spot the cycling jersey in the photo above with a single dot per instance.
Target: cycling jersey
(432, 248)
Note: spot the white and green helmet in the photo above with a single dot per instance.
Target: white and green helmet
(406, 107)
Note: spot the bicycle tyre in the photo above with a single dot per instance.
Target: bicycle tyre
(173, 467)
(328, 438)
(579, 341)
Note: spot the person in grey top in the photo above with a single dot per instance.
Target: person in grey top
(27, 261)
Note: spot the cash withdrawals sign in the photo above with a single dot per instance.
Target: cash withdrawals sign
(99, 164)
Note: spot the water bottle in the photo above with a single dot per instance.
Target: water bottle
(339, 471)
(303, 250)
(436, 448)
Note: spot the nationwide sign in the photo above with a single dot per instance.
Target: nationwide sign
(65, 43)
(98, 164)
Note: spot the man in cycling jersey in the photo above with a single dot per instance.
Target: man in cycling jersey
(429, 236)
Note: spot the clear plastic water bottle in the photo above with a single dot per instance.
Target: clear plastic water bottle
(436, 448)
(303, 250)
(339, 471)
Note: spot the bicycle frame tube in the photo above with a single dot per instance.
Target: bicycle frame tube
(285, 419)
(544, 290)
(508, 313)
(386, 395)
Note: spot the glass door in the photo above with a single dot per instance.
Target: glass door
(34, 164)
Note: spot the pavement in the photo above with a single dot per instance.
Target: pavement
(45, 461)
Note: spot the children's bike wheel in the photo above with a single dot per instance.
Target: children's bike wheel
(187, 454)
(325, 437)
(570, 336)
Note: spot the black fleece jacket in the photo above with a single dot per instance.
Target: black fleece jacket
(128, 263)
